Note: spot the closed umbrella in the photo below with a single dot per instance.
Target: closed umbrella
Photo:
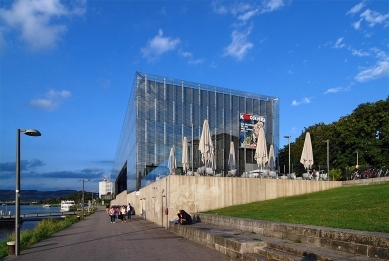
(231, 158)
(185, 155)
(171, 164)
(272, 161)
(206, 146)
(261, 150)
(307, 154)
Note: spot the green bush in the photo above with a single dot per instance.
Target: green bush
(335, 174)
(44, 229)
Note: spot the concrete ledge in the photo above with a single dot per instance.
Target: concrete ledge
(368, 244)
(370, 181)
(229, 242)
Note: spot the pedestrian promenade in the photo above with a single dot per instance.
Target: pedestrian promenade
(96, 238)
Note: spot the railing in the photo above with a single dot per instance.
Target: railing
(41, 215)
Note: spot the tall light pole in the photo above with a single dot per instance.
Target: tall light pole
(83, 181)
(29, 132)
(288, 137)
(92, 199)
(328, 157)
(357, 156)
(191, 154)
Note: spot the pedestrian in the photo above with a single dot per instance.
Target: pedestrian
(123, 211)
(129, 208)
(185, 218)
(116, 212)
(107, 207)
(112, 214)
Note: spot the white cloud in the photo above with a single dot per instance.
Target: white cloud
(337, 89)
(374, 17)
(195, 62)
(52, 99)
(356, 8)
(190, 57)
(357, 24)
(219, 9)
(246, 16)
(245, 11)
(303, 101)
(159, 45)
(38, 21)
(239, 45)
(272, 5)
(339, 43)
(359, 53)
(380, 69)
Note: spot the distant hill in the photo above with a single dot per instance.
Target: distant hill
(33, 195)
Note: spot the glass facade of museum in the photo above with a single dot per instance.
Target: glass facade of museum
(162, 110)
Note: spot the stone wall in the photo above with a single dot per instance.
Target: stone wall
(201, 193)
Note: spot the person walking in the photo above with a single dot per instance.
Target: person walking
(129, 208)
(123, 211)
(112, 214)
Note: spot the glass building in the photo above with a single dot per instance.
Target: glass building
(162, 110)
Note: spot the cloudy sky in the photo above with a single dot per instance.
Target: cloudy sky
(67, 68)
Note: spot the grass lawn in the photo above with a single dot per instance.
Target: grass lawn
(363, 208)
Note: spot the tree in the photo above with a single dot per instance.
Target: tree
(366, 130)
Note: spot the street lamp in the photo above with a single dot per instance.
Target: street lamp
(357, 156)
(83, 181)
(29, 132)
(288, 137)
(92, 199)
(328, 158)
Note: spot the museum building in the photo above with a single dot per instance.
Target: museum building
(162, 111)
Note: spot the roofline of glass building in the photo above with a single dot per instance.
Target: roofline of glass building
(162, 111)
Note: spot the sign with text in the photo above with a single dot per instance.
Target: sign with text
(249, 128)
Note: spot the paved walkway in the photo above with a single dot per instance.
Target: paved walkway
(95, 238)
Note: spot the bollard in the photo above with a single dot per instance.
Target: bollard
(11, 248)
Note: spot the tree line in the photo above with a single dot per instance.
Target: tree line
(76, 196)
(362, 136)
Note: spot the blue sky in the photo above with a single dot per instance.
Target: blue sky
(67, 68)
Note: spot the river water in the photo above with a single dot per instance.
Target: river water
(7, 229)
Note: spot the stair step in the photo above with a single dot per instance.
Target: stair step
(275, 254)
(256, 247)
(256, 257)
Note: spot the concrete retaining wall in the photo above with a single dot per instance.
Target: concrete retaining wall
(365, 181)
(201, 193)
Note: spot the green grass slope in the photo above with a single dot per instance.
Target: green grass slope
(364, 208)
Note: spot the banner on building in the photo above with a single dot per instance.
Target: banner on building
(249, 127)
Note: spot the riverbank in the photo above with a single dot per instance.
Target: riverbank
(42, 230)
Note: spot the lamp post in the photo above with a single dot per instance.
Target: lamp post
(288, 137)
(29, 132)
(328, 157)
(83, 181)
(191, 154)
(357, 156)
(92, 200)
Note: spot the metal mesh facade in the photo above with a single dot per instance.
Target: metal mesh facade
(160, 113)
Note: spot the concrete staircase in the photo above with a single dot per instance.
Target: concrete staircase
(253, 240)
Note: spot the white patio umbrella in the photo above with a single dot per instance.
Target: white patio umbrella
(272, 159)
(171, 164)
(185, 155)
(261, 150)
(307, 154)
(206, 146)
(231, 158)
